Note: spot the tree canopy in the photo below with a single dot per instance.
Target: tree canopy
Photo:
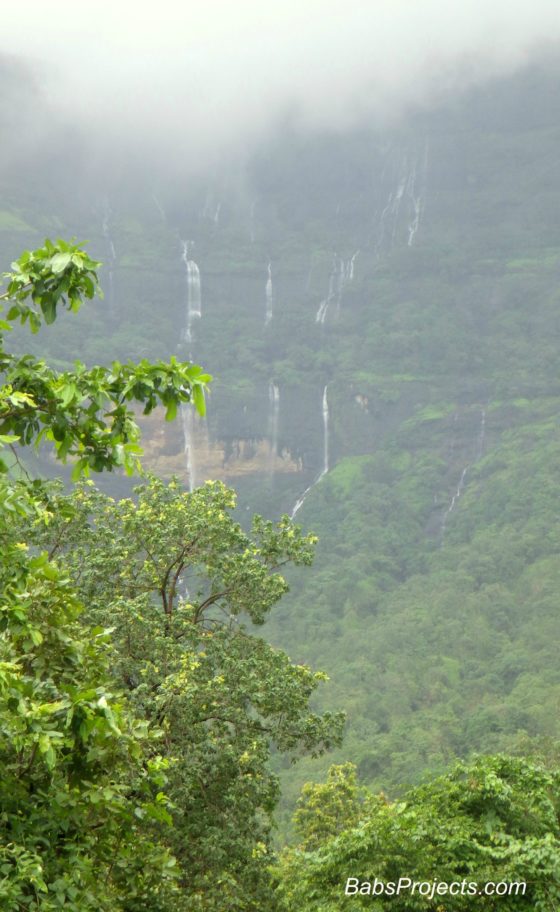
(493, 821)
(138, 709)
(182, 586)
(81, 794)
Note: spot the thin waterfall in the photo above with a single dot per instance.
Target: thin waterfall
(193, 312)
(325, 413)
(415, 202)
(325, 409)
(273, 421)
(187, 420)
(417, 198)
(460, 487)
(341, 274)
(350, 267)
(398, 198)
(334, 277)
(269, 296)
(405, 202)
(194, 295)
(453, 502)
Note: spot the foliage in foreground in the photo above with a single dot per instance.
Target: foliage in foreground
(490, 821)
(178, 580)
(84, 824)
(80, 795)
(84, 412)
(80, 773)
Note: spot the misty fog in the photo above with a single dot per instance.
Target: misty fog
(193, 83)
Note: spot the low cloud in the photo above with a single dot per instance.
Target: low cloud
(193, 81)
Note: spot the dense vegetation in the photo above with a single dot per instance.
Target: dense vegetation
(467, 840)
(167, 580)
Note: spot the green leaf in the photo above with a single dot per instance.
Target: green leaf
(67, 394)
(171, 410)
(60, 261)
(198, 399)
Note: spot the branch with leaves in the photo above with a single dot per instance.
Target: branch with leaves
(86, 412)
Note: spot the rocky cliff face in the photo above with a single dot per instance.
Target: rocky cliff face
(224, 460)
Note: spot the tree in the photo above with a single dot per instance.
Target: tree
(80, 796)
(83, 412)
(492, 821)
(326, 809)
(81, 780)
(220, 697)
(177, 579)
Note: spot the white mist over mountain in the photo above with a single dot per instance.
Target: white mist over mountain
(190, 80)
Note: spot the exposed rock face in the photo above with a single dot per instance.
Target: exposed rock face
(222, 460)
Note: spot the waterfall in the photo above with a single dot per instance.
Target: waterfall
(187, 419)
(334, 280)
(269, 296)
(415, 201)
(461, 485)
(325, 414)
(193, 311)
(405, 202)
(454, 500)
(325, 409)
(341, 274)
(417, 198)
(217, 214)
(111, 255)
(194, 299)
(397, 200)
(274, 415)
(349, 273)
(321, 314)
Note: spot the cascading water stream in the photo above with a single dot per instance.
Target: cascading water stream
(417, 198)
(405, 202)
(325, 414)
(325, 410)
(415, 202)
(273, 421)
(187, 421)
(461, 485)
(341, 274)
(397, 200)
(454, 500)
(349, 274)
(194, 295)
(194, 312)
(269, 296)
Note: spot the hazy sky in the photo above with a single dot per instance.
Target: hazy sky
(202, 75)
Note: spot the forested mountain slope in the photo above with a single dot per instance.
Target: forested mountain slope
(381, 311)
